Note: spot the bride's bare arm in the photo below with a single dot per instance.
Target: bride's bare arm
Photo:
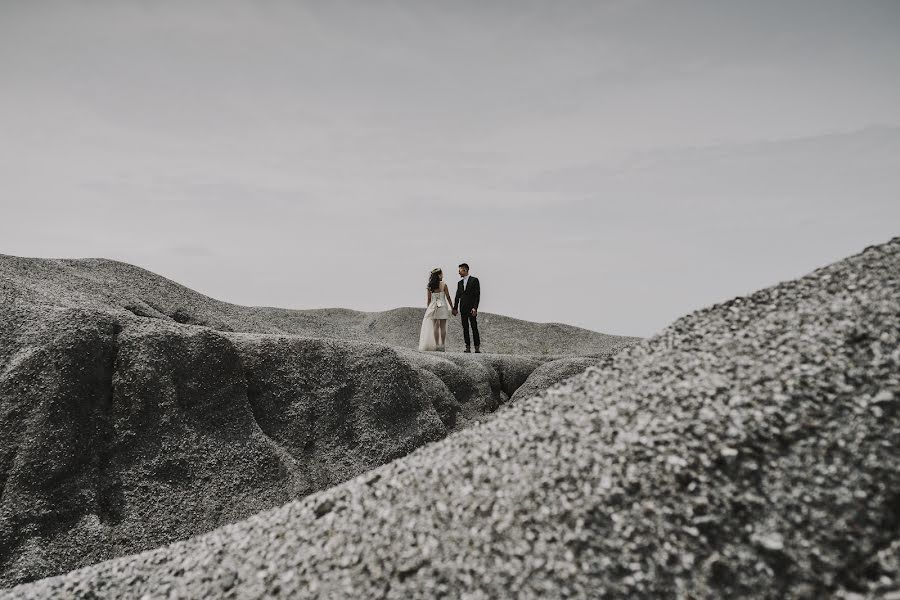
(453, 303)
(428, 299)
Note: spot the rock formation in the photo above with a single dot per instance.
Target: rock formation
(749, 450)
(135, 412)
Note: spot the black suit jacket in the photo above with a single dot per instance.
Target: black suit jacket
(467, 299)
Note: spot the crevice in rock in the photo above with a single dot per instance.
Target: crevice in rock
(137, 311)
(298, 468)
(109, 486)
(181, 316)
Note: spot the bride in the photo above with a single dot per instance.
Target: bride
(434, 325)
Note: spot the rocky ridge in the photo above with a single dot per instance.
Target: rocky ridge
(749, 450)
(135, 412)
(113, 286)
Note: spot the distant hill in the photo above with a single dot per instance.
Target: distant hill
(110, 285)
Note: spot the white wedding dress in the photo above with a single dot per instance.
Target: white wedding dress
(438, 309)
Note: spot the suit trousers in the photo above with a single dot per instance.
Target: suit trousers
(467, 318)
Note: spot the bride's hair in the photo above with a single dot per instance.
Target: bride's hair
(434, 281)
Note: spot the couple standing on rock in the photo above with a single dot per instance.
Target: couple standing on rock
(434, 326)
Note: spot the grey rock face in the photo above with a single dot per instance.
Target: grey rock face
(135, 412)
(553, 373)
(749, 450)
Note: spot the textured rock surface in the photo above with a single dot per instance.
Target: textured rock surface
(553, 373)
(750, 450)
(121, 432)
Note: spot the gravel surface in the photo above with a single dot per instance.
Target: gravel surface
(751, 449)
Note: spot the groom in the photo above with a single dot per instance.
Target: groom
(468, 293)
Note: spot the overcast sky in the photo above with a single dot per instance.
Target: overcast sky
(612, 165)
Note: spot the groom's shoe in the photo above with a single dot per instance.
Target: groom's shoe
(467, 350)
(477, 350)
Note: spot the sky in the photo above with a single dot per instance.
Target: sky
(612, 165)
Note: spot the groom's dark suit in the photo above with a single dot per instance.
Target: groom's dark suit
(466, 299)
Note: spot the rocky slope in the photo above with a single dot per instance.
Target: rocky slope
(749, 450)
(135, 412)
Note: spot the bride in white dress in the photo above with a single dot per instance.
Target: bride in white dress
(434, 326)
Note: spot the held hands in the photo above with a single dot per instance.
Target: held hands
(455, 312)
